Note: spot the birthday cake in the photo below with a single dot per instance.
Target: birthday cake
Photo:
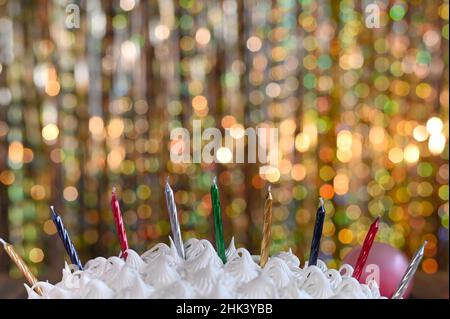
(162, 273)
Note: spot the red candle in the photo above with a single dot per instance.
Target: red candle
(365, 250)
(119, 223)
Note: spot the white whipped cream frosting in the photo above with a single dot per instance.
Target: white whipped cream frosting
(161, 273)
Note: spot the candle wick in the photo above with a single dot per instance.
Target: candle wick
(269, 188)
(423, 246)
(377, 221)
(215, 180)
(321, 202)
(52, 208)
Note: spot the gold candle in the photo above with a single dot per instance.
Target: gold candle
(265, 243)
(20, 263)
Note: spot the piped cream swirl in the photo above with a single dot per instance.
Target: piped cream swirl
(162, 273)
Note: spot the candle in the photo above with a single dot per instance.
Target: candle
(64, 235)
(315, 245)
(365, 250)
(265, 243)
(120, 227)
(173, 216)
(220, 244)
(409, 273)
(20, 263)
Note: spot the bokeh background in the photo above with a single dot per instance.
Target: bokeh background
(362, 113)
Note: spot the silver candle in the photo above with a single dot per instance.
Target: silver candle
(173, 215)
(410, 271)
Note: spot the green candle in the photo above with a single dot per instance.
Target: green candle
(220, 244)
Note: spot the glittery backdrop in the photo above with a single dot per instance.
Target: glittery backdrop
(362, 115)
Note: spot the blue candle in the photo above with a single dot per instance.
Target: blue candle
(64, 235)
(315, 245)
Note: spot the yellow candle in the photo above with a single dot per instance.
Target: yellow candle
(265, 243)
(32, 280)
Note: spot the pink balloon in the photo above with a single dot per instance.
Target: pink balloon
(385, 264)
